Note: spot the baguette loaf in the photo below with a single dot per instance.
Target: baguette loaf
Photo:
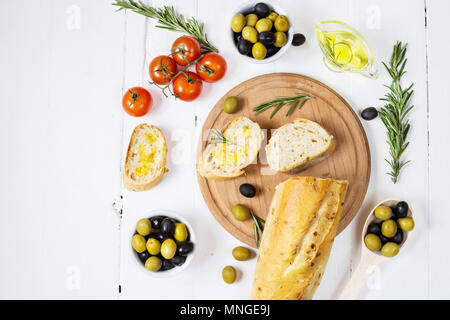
(298, 145)
(297, 238)
(221, 161)
(145, 164)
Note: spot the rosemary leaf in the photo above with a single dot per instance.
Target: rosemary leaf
(395, 111)
(170, 20)
(299, 99)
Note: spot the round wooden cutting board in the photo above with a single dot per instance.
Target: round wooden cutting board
(350, 161)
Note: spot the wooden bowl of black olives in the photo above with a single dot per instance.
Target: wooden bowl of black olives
(261, 32)
(163, 243)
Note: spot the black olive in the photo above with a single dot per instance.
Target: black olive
(271, 50)
(167, 227)
(166, 265)
(401, 210)
(144, 256)
(394, 214)
(384, 239)
(267, 38)
(247, 190)
(160, 237)
(244, 47)
(185, 248)
(248, 11)
(369, 113)
(237, 37)
(156, 222)
(178, 260)
(262, 10)
(374, 228)
(398, 238)
(298, 39)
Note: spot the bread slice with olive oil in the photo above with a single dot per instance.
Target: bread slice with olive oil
(145, 164)
(230, 151)
(299, 145)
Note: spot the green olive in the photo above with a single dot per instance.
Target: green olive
(153, 246)
(250, 34)
(259, 51)
(168, 249)
(280, 39)
(181, 232)
(389, 228)
(390, 249)
(372, 242)
(251, 19)
(153, 264)
(282, 23)
(238, 22)
(241, 253)
(138, 243)
(229, 274)
(264, 25)
(231, 105)
(240, 212)
(406, 224)
(144, 227)
(383, 212)
(272, 16)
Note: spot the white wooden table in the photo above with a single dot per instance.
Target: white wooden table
(64, 66)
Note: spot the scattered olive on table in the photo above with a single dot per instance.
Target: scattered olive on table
(242, 253)
(240, 212)
(231, 105)
(298, 39)
(386, 234)
(161, 243)
(229, 274)
(369, 113)
(260, 32)
(247, 190)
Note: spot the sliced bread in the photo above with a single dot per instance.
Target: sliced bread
(145, 164)
(231, 151)
(298, 145)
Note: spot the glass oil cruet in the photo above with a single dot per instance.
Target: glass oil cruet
(345, 49)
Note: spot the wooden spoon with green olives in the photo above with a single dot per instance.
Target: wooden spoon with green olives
(379, 250)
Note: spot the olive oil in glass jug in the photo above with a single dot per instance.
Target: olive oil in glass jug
(344, 49)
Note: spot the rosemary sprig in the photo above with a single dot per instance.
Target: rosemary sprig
(294, 102)
(394, 112)
(218, 137)
(257, 227)
(170, 20)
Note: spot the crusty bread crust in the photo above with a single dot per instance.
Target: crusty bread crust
(297, 238)
(201, 168)
(131, 184)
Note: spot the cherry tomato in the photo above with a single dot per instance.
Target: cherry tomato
(187, 87)
(137, 102)
(212, 67)
(185, 49)
(162, 69)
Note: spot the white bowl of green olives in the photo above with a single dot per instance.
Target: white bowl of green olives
(387, 227)
(163, 243)
(261, 32)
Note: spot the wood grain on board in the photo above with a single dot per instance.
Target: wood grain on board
(350, 161)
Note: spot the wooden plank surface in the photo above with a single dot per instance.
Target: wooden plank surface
(65, 65)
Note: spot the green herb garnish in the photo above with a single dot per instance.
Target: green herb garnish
(394, 112)
(170, 20)
(294, 102)
(218, 137)
(257, 227)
